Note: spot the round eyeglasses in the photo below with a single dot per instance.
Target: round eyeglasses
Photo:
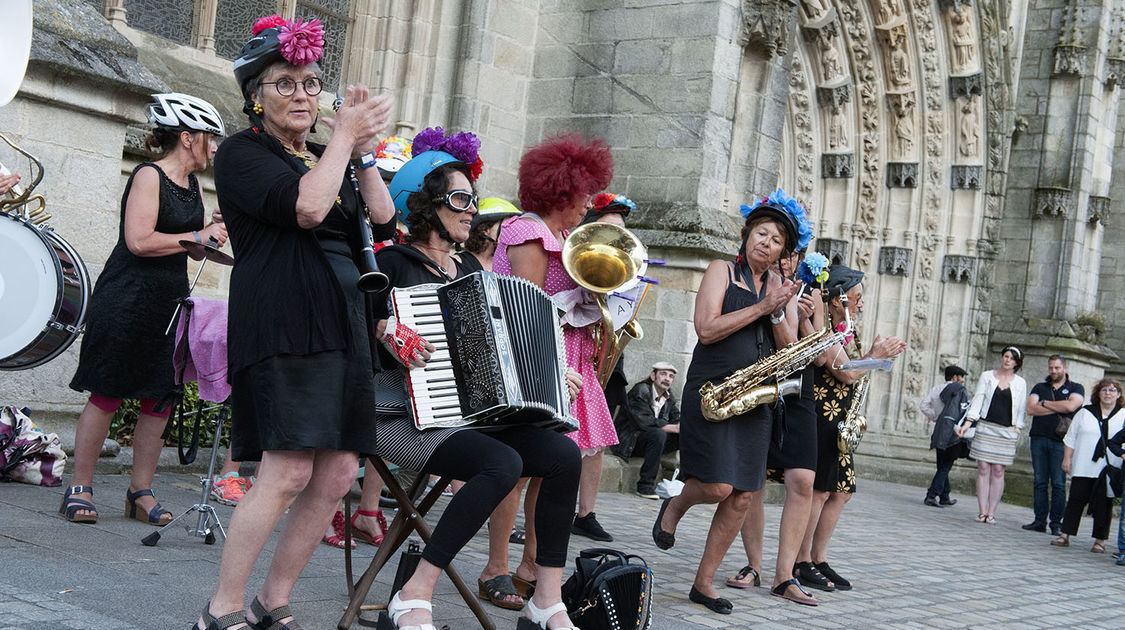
(457, 200)
(287, 87)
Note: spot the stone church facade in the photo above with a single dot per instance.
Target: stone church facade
(959, 152)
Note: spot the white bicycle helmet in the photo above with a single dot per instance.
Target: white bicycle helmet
(182, 111)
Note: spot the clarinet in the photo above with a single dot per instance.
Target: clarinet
(371, 280)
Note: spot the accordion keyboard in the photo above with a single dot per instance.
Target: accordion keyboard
(433, 389)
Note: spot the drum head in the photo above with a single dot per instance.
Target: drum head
(29, 284)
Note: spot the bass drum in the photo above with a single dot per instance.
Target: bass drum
(44, 288)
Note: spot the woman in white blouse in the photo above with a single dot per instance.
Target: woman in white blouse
(997, 412)
(1084, 459)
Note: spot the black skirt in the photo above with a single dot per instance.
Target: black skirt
(732, 452)
(324, 400)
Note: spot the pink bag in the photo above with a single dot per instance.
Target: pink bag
(27, 454)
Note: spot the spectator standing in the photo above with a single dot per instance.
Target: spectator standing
(1084, 459)
(1049, 403)
(942, 406)
(651, 425)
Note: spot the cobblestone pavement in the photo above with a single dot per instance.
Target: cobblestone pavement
(913, 567)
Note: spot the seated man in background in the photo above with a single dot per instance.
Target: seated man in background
(650, 425)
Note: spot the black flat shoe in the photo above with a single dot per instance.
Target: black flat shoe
(717, 604)
(837, 579)
(809, 576)
(948, 502)
(1034, 527)
(932, 502)
(663, 539)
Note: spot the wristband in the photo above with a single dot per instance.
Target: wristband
(367, 160)
(198, 241)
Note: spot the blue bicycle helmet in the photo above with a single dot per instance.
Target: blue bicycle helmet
(412, 175)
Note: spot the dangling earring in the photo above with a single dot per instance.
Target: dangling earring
(319, 109)
(258, 109)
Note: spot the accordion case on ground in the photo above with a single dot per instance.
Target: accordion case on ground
(500, 357)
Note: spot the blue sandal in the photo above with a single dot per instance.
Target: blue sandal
(69, 507)
(153, 516)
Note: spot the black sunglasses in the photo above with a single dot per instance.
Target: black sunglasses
(458, 200)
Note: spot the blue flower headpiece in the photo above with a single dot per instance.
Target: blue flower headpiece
(813, 269)
(780, 200)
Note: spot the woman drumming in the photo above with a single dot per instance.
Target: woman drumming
(1084, 459)
(125, 353)
(997, 411)
(434, 196)
(299, 360)
(740, 319)
(833, 390)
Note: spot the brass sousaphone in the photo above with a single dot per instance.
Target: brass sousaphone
(604, 258)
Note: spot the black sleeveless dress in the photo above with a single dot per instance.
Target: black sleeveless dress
(125, 353)
(733, 451)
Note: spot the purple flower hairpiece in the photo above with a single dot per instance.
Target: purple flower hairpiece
(302, 42)
(464, 146)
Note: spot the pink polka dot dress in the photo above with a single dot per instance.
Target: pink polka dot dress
(595, 424)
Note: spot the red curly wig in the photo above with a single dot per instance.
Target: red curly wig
(561, 169)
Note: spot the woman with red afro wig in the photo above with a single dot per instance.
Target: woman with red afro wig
(558, 181)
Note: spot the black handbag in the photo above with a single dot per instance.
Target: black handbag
(609, 590)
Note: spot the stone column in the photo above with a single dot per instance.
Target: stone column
(1058, 165)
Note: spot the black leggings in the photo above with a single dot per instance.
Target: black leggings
(491, 463)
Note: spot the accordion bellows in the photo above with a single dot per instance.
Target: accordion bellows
(500, 357)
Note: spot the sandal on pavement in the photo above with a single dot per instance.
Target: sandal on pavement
(801, 596)
(368, 537)
(337, 538)
(1061, 541)
(70, 507)
(525, 588)
(155, 516)
(398, 607)
(812, 577)
(536, 619)
(838, 580)
(663, 539)
(717, 604)
(518, 536)
(271, 619)
(990, 519)
(741, 579)
(1097, 548)
(236, 618)
(497, 591)
(980, 518)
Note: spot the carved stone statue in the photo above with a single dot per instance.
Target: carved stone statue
(964, 37)
(969, 131)
(837, 128)
(814, 9)
(904, 132)
(829, 58)
(889, 10)
(900, 63)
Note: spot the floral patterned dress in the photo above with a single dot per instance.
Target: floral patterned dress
(595, 424)
(834, 470)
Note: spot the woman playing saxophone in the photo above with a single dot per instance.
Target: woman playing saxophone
(740, 318)
(833, 391)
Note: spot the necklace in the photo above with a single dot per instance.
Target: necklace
(440, 264)
(305, 157)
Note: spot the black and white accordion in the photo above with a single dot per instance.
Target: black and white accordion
(500, 357)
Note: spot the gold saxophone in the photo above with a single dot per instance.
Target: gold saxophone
(854, 424)
(764, 382)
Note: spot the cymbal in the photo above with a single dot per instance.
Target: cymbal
(199, 251)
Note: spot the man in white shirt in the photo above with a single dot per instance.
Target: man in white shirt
(932, 405)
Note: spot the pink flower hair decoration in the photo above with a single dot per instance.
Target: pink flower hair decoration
(302, 42)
